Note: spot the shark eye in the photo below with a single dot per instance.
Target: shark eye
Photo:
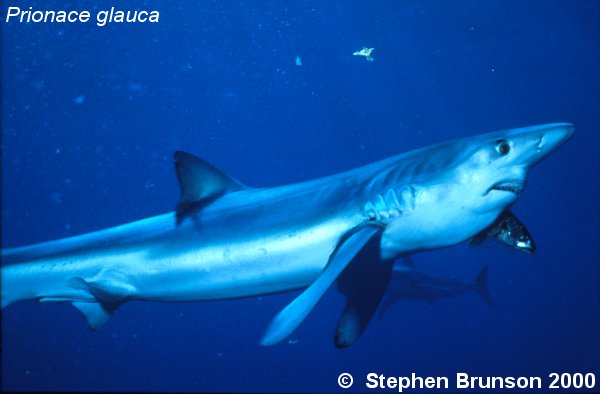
(502, 147)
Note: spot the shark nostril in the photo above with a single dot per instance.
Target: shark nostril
(540, 144)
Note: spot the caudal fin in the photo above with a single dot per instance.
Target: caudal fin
(481, 286)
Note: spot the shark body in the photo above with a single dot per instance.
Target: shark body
(228, 241)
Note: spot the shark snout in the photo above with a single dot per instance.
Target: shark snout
(538, 142)
(554, 137)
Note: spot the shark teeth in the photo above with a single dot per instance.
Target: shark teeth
(515, 187)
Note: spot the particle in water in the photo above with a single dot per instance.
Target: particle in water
(366, 52)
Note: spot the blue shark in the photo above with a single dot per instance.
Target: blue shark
(226, 240)
(409, 284)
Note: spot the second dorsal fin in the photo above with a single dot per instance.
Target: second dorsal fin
(201, 183)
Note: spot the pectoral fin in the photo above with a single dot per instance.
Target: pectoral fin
(292, 315)
(386, 305)
(363, 283)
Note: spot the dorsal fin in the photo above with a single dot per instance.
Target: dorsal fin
(201, 183)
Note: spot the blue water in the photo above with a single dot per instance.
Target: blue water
(91, 115)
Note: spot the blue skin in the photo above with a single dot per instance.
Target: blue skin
(250, 242)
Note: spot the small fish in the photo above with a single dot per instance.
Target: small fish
(298, 61)
(366, 52)
(508, 229)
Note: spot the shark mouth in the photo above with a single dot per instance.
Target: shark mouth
(515, 187)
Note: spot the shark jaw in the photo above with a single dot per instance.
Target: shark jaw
(513, 186)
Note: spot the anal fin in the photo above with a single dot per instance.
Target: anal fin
(107, 291)
(107, 287)
(96, 313)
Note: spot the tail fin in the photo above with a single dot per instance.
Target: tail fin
(481, 286)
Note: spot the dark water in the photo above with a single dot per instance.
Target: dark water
(91, 115)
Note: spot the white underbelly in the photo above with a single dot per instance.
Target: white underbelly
(432, 227)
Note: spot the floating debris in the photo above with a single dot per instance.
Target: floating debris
(366, 52)
(298, 61)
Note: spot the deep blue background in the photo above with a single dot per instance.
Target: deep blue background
(91, 115)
